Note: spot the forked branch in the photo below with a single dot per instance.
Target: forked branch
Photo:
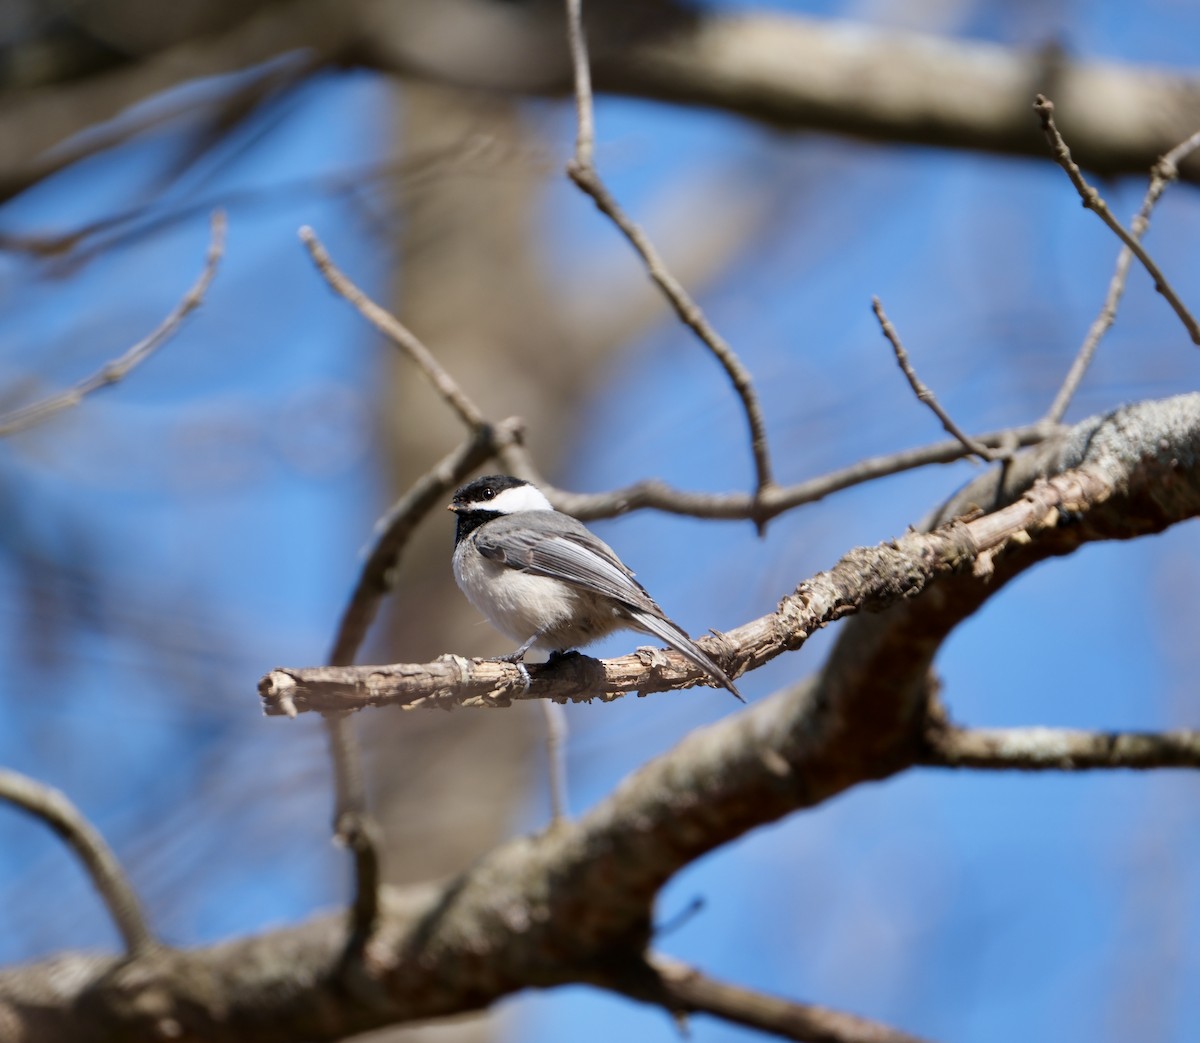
(583, 173)
(1092, 199)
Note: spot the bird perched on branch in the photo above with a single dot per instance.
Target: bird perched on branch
(544, 580)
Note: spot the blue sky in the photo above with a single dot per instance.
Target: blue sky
(207, 492)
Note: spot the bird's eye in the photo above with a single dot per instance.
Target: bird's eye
(488, 493)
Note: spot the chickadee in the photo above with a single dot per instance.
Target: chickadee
(541, 578)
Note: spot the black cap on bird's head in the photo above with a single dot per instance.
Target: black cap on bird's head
(481, 493)
(490, 497)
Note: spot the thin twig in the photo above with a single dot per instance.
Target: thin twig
(651, 494)
(556, 754)
(398, 334)
(1059, 749)
(1162, 174)
(684, 989)
(1093, 201)
(118, 368)
(53, 808)
(395, 528)
(585, 136)
(354, 828)
(922, 391)
(581, 170)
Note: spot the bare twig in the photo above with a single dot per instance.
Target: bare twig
(583, 173)
(1166, 169)
(53, 808)
(118, 368)
(922, 391)
(684, 989)
(1163, 173)
(354, 828)
(556, 754)
(394, 530)
(398, 334)
(1093, 201)
(658, 496)
(1059, 749)
(585, 136)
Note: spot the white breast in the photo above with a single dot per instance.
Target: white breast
(520, 604)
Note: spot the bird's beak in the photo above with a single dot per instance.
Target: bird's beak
(450, 507)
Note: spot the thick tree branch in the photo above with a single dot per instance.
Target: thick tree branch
(789, 71)
(884, 84)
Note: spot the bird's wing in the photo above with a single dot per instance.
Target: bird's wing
(561, 547)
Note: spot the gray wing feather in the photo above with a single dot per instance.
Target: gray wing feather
(559, 546)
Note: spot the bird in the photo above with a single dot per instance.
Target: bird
(543, 579)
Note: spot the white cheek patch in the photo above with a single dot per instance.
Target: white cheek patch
(517, 499)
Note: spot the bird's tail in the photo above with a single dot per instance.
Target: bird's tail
(674, 636)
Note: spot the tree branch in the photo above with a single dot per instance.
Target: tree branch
(651, 494)
(387, 324)
(56, 811)
(1162, 174)
(922, 391)
(787, 71)
(686, 990)
(1103, 465)
(761, 506)
(119, 368)
(799, 73)
(1058, 749)
(1092, 199)
(583, 173)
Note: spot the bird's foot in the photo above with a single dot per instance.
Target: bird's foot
(515, 658)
